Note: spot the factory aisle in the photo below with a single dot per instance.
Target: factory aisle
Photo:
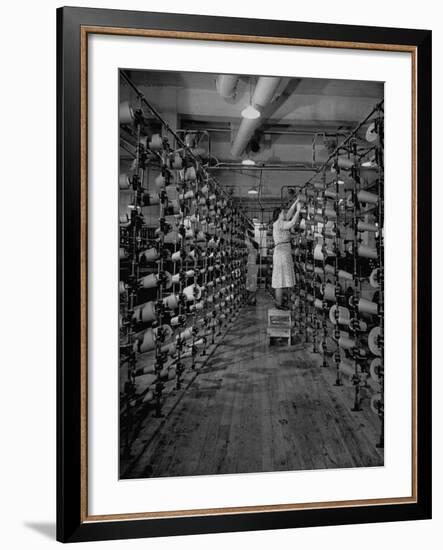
(256, 407)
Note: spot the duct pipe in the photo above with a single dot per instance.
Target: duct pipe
(263, 93)
(265, 90)
(226, 84)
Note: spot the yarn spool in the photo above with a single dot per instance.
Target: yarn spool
(121, 287)
(371, 135)
(346, 342)
(376, 369)
(171, 302)
(376, 403)
(367, 197)
(374, 341)
(366, 306)
(345, 275)
(176, 277)
(145, 313)
(190, 173)
(177, 162)
(364, 226)
(186, 334)
(176, 256)
(318, 253)
(149, 338)
(156, 143)
(124, 182)
(329, 292)
(197, 307)
(367, 252)
(192, 292)
(374, 278)
(160, 181)
(149, 255)
(125, 113)
(343, 315)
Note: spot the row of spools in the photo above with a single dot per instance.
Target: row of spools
(182, 277)
(338, 303)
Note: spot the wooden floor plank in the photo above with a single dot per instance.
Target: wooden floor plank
(256, 407)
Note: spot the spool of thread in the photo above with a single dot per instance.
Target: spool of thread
(145, 313)
(190, 173)
(373, 278)
(363, 226)
(176, 256)
(186, 334)
(192, 292)
(366, 306)
(197, 307)
(160, 181)
(122, 253)
(170, 348)
(346, 342)
(318, 253)
(148, 397)
(376, 403)
(347, 369)
(177, 162)
(329, 213)
(345, 162)
(371, 135)
(329, 292)
(366, 196)
(149, 255)
(171, 302)
(367, 252)
(124, 182)
(156, 143)
(318, 303)
(345, 275)
(121, 287)
(172, 237)
(149, 281)
(376, 369)
(330, 194)
(125, 113)
(374, 341)
(176, 277)
(343, 315)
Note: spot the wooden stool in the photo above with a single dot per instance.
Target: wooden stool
(279, 325)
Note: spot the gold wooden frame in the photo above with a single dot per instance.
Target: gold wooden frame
(84, 33)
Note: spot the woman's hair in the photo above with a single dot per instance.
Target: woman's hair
(276, 213)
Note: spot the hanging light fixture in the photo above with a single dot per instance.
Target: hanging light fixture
(253, 191)
(248, 162)
(250, 111)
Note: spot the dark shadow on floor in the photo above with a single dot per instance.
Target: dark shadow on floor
(44, 528)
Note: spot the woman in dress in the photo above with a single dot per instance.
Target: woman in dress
(283, 275)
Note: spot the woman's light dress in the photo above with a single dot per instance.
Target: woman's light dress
(283, 275)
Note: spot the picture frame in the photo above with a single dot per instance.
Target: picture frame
(74, 25)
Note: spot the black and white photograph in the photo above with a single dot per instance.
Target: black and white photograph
(251, 258)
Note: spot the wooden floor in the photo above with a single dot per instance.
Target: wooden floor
(255, 408)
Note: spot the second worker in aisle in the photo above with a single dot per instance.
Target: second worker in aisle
(283, 276)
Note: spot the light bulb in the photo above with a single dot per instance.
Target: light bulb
(250, 112)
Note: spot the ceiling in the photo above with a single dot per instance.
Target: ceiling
(287, 136)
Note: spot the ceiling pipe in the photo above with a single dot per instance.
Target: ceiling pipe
(265, 90)
(263, 93)
(226, 85)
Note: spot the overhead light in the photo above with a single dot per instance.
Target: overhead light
(253, 191)
(248, 162)
(250, 112)
(340, 182)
